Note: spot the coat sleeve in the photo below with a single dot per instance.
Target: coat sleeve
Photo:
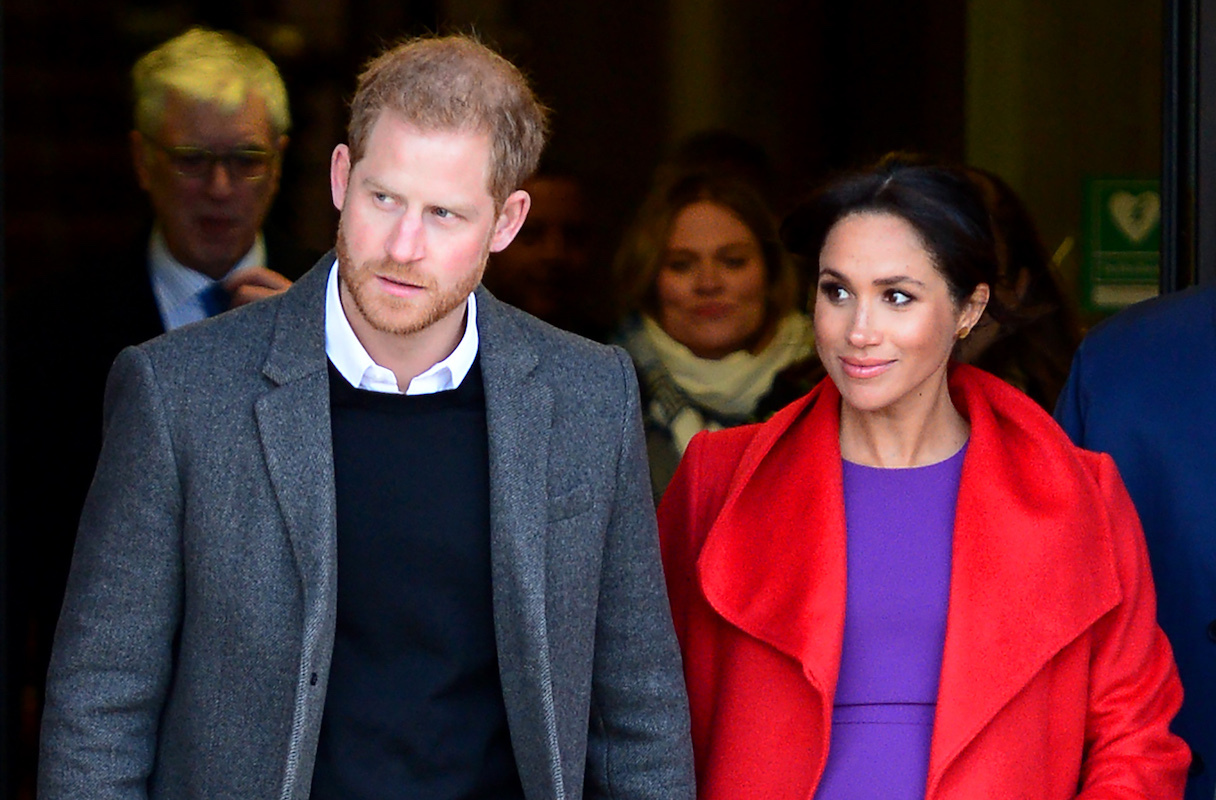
(638, 742)
(113, 652)
(1134, 687)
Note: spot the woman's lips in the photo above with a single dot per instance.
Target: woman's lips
(712, 310)
(861, 368)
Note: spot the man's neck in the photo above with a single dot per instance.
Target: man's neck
(408, 355)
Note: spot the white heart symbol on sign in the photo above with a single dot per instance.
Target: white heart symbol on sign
(1136, 215)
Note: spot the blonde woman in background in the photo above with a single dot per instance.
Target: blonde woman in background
(709, 296)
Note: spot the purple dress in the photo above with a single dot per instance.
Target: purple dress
(900, 525)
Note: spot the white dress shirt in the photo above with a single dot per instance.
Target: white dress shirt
(351, 359)
(179, 289)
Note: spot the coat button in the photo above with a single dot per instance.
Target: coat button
(1212, 630)
(1197, 765)
(312, 679)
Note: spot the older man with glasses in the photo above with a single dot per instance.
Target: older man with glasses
(211, 121)
(210, 127)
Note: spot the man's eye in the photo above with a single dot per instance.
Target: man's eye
(443, 213)
(251, 159)
(192, 162)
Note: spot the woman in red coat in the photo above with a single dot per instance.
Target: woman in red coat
(994, 633)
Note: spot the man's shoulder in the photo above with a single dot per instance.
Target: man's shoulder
(1165, 316)
(291, 325)
(1157, 337)
(555, 349)
(221, 343)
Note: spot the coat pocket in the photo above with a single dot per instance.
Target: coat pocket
(570, 504)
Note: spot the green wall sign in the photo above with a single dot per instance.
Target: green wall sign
(1122, 241)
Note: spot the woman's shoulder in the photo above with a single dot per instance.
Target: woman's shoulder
(1021, 444)
(716, 460)
(713, 455)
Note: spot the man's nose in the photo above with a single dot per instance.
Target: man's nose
(407, 241)
(219, 180)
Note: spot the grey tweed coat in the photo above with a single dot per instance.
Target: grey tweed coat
(192, 655)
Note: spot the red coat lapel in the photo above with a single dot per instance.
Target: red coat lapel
(1032, 568)
(773, 563)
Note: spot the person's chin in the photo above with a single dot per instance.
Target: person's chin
(216, 261)
(222, 235)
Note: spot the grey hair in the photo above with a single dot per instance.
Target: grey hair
(215, 67)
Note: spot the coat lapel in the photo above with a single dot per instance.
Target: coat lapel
(519, 410)
(294, 424)
(773, 563)
(1017, 596)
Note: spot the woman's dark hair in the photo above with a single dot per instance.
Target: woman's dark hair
(1034, 349)
(1019, 247)
(941, 204)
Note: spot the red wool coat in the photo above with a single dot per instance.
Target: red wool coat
(1056, 681)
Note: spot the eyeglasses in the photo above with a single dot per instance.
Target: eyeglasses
(245, 164)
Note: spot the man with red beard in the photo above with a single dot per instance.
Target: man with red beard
(382, 535)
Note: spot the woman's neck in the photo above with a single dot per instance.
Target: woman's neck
(913, 435)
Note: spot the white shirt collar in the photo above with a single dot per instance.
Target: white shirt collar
(178, 288)
(351, 359)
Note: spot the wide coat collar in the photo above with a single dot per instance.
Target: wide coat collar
(1031, 569)
(293, 419)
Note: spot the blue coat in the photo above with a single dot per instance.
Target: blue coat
(1143, 388)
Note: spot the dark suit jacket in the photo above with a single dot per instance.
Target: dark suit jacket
(193, 651)
(64, 333)
(1143, 388)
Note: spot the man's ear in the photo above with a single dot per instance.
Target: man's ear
(339, 175)
(510, 219)
(139, 158)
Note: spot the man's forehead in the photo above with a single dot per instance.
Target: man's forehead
(248, 121)
(395, 134)
(401, 124)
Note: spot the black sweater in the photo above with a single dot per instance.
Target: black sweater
(414, 704)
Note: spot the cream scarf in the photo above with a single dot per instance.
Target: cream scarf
(710, 393)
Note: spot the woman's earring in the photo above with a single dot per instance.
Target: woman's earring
(964, 333)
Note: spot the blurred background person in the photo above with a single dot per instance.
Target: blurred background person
(210, 125)
(211, 122)
(910, 583)
(1141, 389)
(709, 299)
(550, 270)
